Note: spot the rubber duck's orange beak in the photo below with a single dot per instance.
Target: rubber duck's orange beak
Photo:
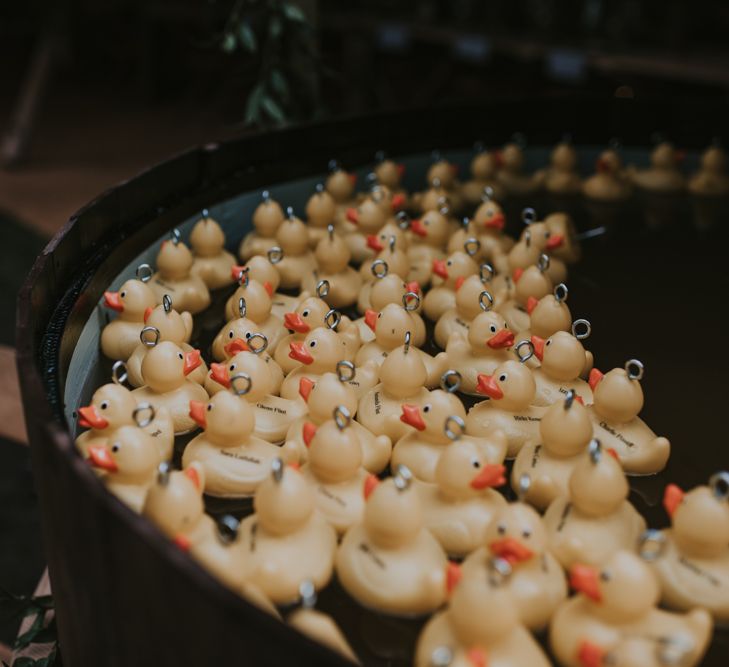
(89, 417)
(538, 344)
(459, 282)
(352, 215)
(370, 318)
(555, 241)
(594, 378)
(182, 542)
(305, 386)
(398, 201)
(531, 304)
(440, 268)
(516, 274)
(417, 227)
(268, 287)
(501, 339)
(298, 352)
(672, 497)
(192, 361)
(511, 550)
(591, 655)
(491, 475)
(236, 272)
(400, 170)
(295, 322)
(413, 286)
(585, 579)
(412, 417)
(308, 432)
(219, 373)
(197, 413)
(100, 457)
(147, 312)
(352, 178)
(496, 221)
(235, 346)
(487, 385)
(192, 475)
(453, 576)
(370, 484)
(373, 242)
(477, 657)
(113, 300)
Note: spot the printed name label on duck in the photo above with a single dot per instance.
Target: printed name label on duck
(526, 418)
(271, 408)
(461, 323)
(164, 284)
(332, 496)
(699, 571)
(535, 456)
(366, 549)
(378, 404)
(241, 457)
(617, 434)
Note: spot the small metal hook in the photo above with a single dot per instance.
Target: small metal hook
(499, 571)
(595, 450)
(442, 656)
(144, 273)
(450, 381)
(322, 289)
(163, 473)
(380, 156)
(379, 268)
(525, 483)
(651, 545)
(569, 399)
(143, 336)
(242, 308)
(466, 222)
(454, 420)
(403, 220)
(205, 214)
(257, 336)
(330, 231)
(719, 485)
(228, 529)
(402, 477)
(392, 242)
(411, 301)
(235, 384)
(543, 263)
(634, 369)
(167, 303)
(528, 216)
(486, 301)
(407, 342)
(290, 212)
(342, 417)
(472, 246)
(277, 469)
(275, 254)
(244, 276)
(581, 323)
(266, 196)
(348, 375)
(523, 358)
(333, 165)
(488, 194)
(332, 319)
(175, 236)
(319, 188)
(561, 292)
(141, 408)
(307, 594)
(118, 377)
(486, 272)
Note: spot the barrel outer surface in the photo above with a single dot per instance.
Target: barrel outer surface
(125, 595)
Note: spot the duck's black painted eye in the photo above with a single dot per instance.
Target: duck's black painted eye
(605, 575)
(426, 408)
(449, 263)
(493, 328)
(526, 534)
(180, 356)
(115, 448)
(312, 344)
(501, 529)
(549, 342)
(305, 313)
(230, 335)
(123, 294)
(248, 335)
(104, 405)
(502, 377)
(210, 407)
(476, 463)
(231, 368)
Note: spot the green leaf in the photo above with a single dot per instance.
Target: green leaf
(247, 37)
(28, 637)
(279, 83)
(229, 43)
(273, 109)
(253, 106)
(293, 12)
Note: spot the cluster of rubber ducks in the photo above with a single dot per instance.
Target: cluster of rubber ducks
(319, 384)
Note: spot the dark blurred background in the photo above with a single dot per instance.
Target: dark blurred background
(93, 92)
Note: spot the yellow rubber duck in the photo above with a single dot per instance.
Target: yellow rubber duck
(618, 398)
(132, 301)
(267, 218)
(663, 175)
(428, 237)
(297, 260)
(561, 176)
(212, 262)
(389, 561)
(531, 283)
(453, 271)
(484, 167)
(594, 519)
(511, 176)
(257, 307)
(321, 211)
(243, 327)
(287, 540)
(711, 180)
(165, 372)
(611, 182)
(617, 601)
(562, 360)
(262, 268)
